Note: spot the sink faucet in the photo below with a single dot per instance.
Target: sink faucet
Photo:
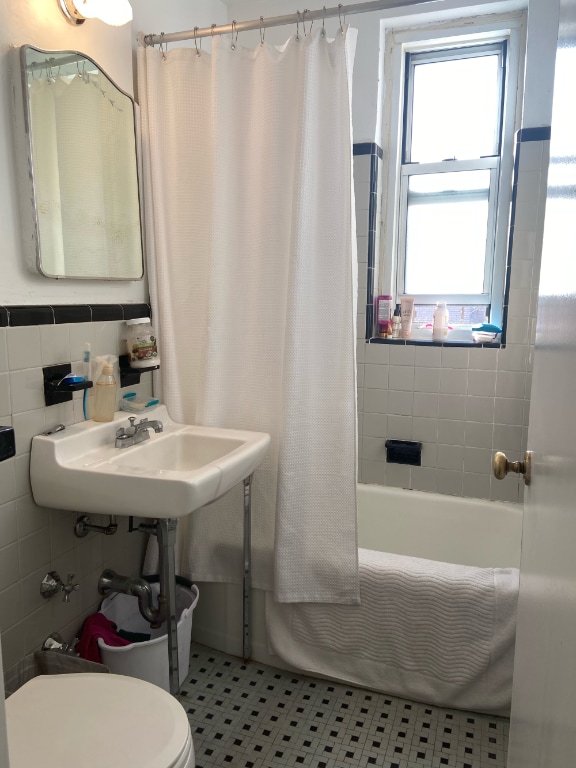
(136, 433)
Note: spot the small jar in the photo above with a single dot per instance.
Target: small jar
(142, 343)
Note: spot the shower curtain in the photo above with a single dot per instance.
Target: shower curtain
(252, 270)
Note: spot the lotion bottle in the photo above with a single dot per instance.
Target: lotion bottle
(440, 325)
(105, 395)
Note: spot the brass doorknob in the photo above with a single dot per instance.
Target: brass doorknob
(501, 466)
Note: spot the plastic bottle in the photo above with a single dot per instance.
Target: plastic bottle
(396, 323)
(384, 315)
(142, 343)
(105, 395)
(440, 325)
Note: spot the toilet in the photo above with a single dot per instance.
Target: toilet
(96, 721)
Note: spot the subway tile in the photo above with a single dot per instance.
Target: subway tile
(513, 358)
(10, 606)
(507, 410)
(398, 476)
(483, 359)
(7, 481)
(375, 376)
(12, 645)
(401, 377)
(55, 344)
(454, 357)
(478, 434)
(360, 325)
(527, 200)
(429, 455)
(451, 432)
(399, 427)
(400, 403)
(482, 383)
(426, 379)
(475, 486)
(374, 425)
(106, 338)
(478, 460)
(361, 351)
(449, 482)
(31, 518)
(9, 566)
(423, 479)
(518, 330)
(530, 156)
(5, 407)
(24, 350)
(521, 274)
(8, 524)
(425, 430)
(26, 426)
(80, 334)
(511, 384)
(22, 473)
(3, 351)
(505, 490)
(480, 409)
(360, 376)
(373, 472)
(32, 600)
(428, 357)
(507, 437)
(425, 404)
(27, 390)
(450, 457)
(452, 407)
(33, 551)
(373, 449)
(72, 313)
(453, 381)
(37, 626)
(524, 246)
(31, 315)
(377, 354)
(519, 302)
(362, 168)
(402, 354)
(362, 249)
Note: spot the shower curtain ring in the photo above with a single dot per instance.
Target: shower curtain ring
(340, 6)
(323, 30)
(234, 39)
(162, 46)
(298, 26)
(262, 30)
(304, 12)
(196, 41)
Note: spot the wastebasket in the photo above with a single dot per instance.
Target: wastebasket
(148, 660)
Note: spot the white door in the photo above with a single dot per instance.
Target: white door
(543, 724)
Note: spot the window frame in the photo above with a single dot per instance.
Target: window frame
(508, 29)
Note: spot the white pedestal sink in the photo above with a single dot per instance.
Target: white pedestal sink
(170, 474)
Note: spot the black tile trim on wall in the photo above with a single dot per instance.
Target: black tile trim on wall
(17, 316)
(541, 133)
(368, 148)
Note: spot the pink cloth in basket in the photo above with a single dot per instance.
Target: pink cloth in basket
(97, 626)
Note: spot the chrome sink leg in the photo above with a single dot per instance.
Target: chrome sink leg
(247, 575)
(166, 532)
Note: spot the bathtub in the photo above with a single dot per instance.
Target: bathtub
(434, 527)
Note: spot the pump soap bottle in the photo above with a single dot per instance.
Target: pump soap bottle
(105, 395)
(440, 325)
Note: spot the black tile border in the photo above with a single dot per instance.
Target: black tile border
(431, 343)
(367, 148)
(541, 133)
(14, 316)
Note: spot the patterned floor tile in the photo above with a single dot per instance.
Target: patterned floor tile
(248, 715)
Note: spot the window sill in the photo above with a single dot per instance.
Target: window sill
(431, 343)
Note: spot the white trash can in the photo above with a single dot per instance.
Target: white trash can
(148, 660)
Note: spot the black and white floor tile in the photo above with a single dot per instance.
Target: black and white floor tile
(254, 716)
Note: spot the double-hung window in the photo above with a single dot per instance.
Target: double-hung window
(452, 179)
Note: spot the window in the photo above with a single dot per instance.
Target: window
(450, 169)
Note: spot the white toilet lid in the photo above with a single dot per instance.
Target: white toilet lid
(95, 721)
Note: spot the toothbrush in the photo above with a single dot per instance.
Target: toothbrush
(86, 366)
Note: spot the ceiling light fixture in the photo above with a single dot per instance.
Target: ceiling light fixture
(113, 12)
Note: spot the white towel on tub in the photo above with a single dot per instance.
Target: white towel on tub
(426, 630)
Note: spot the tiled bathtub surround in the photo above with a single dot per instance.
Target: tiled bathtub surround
(462, 403)
(34, 540)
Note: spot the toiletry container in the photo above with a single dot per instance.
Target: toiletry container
(440, 324)
(396, 323)
(384, 315)
(142, 343)
(105, 395)
(94, 720)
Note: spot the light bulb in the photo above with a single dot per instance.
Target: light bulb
(113, 12)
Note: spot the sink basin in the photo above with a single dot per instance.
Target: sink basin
(168, 476)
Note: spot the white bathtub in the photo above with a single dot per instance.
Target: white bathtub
(449, 529)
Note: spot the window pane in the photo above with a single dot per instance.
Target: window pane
(455, 111)
(446, 230)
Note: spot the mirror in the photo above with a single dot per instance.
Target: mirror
(81, 137)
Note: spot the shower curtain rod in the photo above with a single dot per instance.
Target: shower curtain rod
(300, 17)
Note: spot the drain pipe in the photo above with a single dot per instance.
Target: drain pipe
(110, 581)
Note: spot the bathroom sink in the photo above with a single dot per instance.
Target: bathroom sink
(170, 475)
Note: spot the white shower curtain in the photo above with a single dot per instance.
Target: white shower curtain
(252, 268)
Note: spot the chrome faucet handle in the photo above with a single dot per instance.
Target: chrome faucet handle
(69, 587)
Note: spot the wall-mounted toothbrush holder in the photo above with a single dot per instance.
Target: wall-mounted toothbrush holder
(129, 376)
(60, 383)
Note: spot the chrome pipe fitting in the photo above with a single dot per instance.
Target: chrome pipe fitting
(110, 581)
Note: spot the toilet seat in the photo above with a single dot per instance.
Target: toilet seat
(96, 721)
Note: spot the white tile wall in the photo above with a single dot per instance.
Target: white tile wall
(34, 540)
(462, 403)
